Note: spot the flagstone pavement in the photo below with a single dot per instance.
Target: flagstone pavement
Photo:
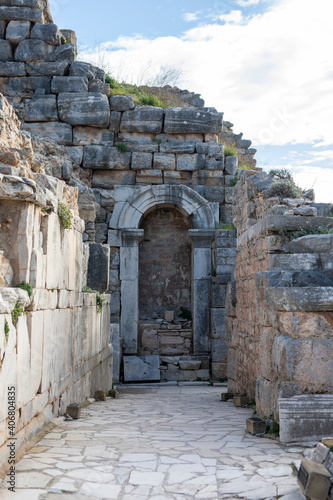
(158, 442)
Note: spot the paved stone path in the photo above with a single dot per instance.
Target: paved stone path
(157, 443)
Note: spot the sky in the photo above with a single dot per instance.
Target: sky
(267, 64)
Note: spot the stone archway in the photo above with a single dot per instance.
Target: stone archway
(127, 219)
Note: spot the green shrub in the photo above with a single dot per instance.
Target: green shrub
(285, 189)
(16, 312)
(27, 287)
(230, 150)
(282, 174)
(99, 299)
(122, 148)
(65, 215)
(6, 329)
(229, 227)
(151, 100)
(234, 181)
(314, 230)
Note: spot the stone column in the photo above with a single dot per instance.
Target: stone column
(129, 276)
(201, 283)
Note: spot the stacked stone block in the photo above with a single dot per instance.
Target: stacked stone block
(280, 305)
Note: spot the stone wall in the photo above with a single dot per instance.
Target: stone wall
(280, 306)
(56, 350)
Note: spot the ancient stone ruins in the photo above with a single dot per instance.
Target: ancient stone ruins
(137, 203)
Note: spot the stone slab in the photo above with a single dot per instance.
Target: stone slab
(194, 121)
(141, 369)
(80, 108)
(98, 267)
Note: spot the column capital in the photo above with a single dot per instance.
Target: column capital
(201, 238)
(132, 237)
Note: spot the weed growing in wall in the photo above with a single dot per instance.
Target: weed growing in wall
(314, 230)
(16, 312)
(282, 174)
(99, 299)
(139, 96)
(6, 329)
(27, 287)
(65, 215)
(122, 148)
(230, 151)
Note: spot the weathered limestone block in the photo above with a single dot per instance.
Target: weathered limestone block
(109, 178)
(9, 297)
(62, 84)
(34, 51)
(141, 369)
(189, 120)
(98, 267)
(6, 53)
(316, 243)
(139, 142)
(49, 33)
(17, 31)
(6, 271)
(10, 157)
(58, 132)
(141, 161)
(218, 295)
(231, 164)
(164, 161)
(105, 157)
(207, 178)
(25, 86)
(15, 187)
(296, 262)
(86, 136)
(42, 108)
(176, 178)
(47, 68)
(2, 29)
(121, 103)
(149, 177)
(115, 118)
(178, 146)
(21, 14)
(91, 109)
(79, 68)
(64, 53)
(190, 162)
(12, 69)
(214, 194)
(209, 148)
(142, 119)
(306, 417)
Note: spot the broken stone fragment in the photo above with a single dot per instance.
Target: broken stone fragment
(255, 425)
(6, 271)
(100, 395)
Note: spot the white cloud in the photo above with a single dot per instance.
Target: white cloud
(247, 3)
(234, 17)
(271, 74)
(191, 16)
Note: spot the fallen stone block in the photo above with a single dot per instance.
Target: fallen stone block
(307, 417)
(314, 480)
(73, 410)
(100, 395)
(241, 401)
(255, 425)
(226, 396)
(141, 369)
(89, 109)
(189, 120)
